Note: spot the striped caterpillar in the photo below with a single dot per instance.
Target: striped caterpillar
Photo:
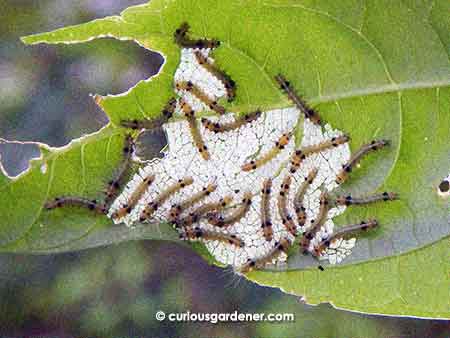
(153, 124)
(183, 41)
(309, 112)
(279, 146)
(298, 199)
(202, 210)
(316, 224)
(163, 196)
(217, 127)
(197, 92)
(280, 247)
(134, 198)
(195, 132)
(300, 154)
(266, 223)
(229, 84)
(92, 205)
(349, 200)
(286, 218)
(196, 233)
(343, 232)
(347, 168)
(225, 221)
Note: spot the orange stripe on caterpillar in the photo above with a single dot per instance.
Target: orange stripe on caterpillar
(197, 214)
(300, 154)
(349, 200)
(181, 38)
(196, 233)
(280, 247)
(286, 218)
(195, 132)
(266, 223)
(298, 199)
(347, 168)
(73, 201)
(219, 220)
(218, 127)
(271, 154)
(152, 124)
(199, 94)
(309, 112)
(342, 233)
(163, 196)
(134, 198)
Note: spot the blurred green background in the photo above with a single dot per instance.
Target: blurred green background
(116, 291)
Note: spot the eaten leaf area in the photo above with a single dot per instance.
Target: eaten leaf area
(371, 74)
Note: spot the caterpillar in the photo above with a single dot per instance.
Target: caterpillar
(316, 224)
(195, 132)
(163, 196)
(218, 220)
(153, 124)
(299, 195)
(183, 41)
(202, 210)
(279, 146)
(349, 200)
(229, 84)
(177, 209)
(134, 197)
(197, 92)
(300, 154)
(286, 218)
(92, 205)
(238, 122)
(309, 112)
(208, 235)
(343, 232)
(347, 168)
(280, 247)
(266, 223)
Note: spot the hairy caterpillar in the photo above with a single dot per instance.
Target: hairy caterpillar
(286, 218)
(183, 41)
(196, 233)
(229, 84)
(240, 212)
(202, 210)
(347, 168)
(152, 124)
(217, 127)
(266, 223)
(300, 154)
(300, 194)
(349, 200)
(93, 205)
(279, 146)
(163, 196)
(309, 112)
(134, 198)
(195, 132)
(192, 88)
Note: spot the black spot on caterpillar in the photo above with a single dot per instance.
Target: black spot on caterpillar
(195, 132)
(219, 220)
(298, 199)
(163, 196)
(349, 200)
(229, 84)
(271, 154)
(198, 213)
(347, 168)
(309, 112)
(266, 223)
(196, 233)
(444, 186)
(280, 247)
(197, 92)
(218, 127)
(92, 205)
(134, 197)
(342, 233)
(286, 218)
(300, 154)
(184, 41)
(152, 124)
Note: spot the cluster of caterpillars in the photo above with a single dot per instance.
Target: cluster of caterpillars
(224, 212)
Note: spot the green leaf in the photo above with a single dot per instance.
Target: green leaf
(374, 68)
